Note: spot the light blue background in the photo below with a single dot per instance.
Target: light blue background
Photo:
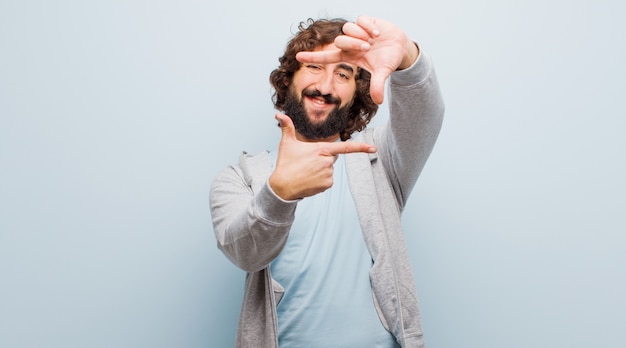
(116, 115)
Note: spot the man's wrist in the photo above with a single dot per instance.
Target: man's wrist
(412, 53)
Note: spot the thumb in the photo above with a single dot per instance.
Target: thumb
(286, 126)
(377, 86)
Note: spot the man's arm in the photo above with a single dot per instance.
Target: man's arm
(416, 112)
(252, 221)
(416, 107)
(251, 226)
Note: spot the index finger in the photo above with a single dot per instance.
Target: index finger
(320, 57)
(348, 147)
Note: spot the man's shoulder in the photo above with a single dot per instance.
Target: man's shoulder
(251, 170)
(256, 168)
(249, 160)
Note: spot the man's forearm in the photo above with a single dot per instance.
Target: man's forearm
(251, 228)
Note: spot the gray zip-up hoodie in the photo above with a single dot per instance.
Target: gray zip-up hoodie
(251, 223)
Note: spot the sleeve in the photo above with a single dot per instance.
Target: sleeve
(251, 225)
(416, 111)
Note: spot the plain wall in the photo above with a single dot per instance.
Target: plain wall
(116, 115)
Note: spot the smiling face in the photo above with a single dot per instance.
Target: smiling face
(319, 98)
(351, 85)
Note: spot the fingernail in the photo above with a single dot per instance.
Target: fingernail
(365, 47)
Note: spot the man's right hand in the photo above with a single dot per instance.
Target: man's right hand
(304, 169)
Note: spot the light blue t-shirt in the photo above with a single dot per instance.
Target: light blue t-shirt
(324, 269)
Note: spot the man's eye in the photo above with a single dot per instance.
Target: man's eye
(313, 67)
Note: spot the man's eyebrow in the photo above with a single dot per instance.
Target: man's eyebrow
(346, 67)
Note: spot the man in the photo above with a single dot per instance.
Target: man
(317, 226)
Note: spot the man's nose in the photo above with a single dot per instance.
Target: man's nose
(325, 83)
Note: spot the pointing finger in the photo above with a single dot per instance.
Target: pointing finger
(349, 147)
(320, 57)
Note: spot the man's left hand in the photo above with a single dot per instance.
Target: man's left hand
(373, 44)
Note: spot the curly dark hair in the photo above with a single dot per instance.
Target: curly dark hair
(311, 35)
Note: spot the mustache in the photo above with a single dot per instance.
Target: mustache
(328, 98)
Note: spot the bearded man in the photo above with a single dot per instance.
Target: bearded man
(334, 272)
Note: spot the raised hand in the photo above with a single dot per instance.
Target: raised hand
(304, 169)
(373, 44)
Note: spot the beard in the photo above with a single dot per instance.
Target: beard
(335, 122)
